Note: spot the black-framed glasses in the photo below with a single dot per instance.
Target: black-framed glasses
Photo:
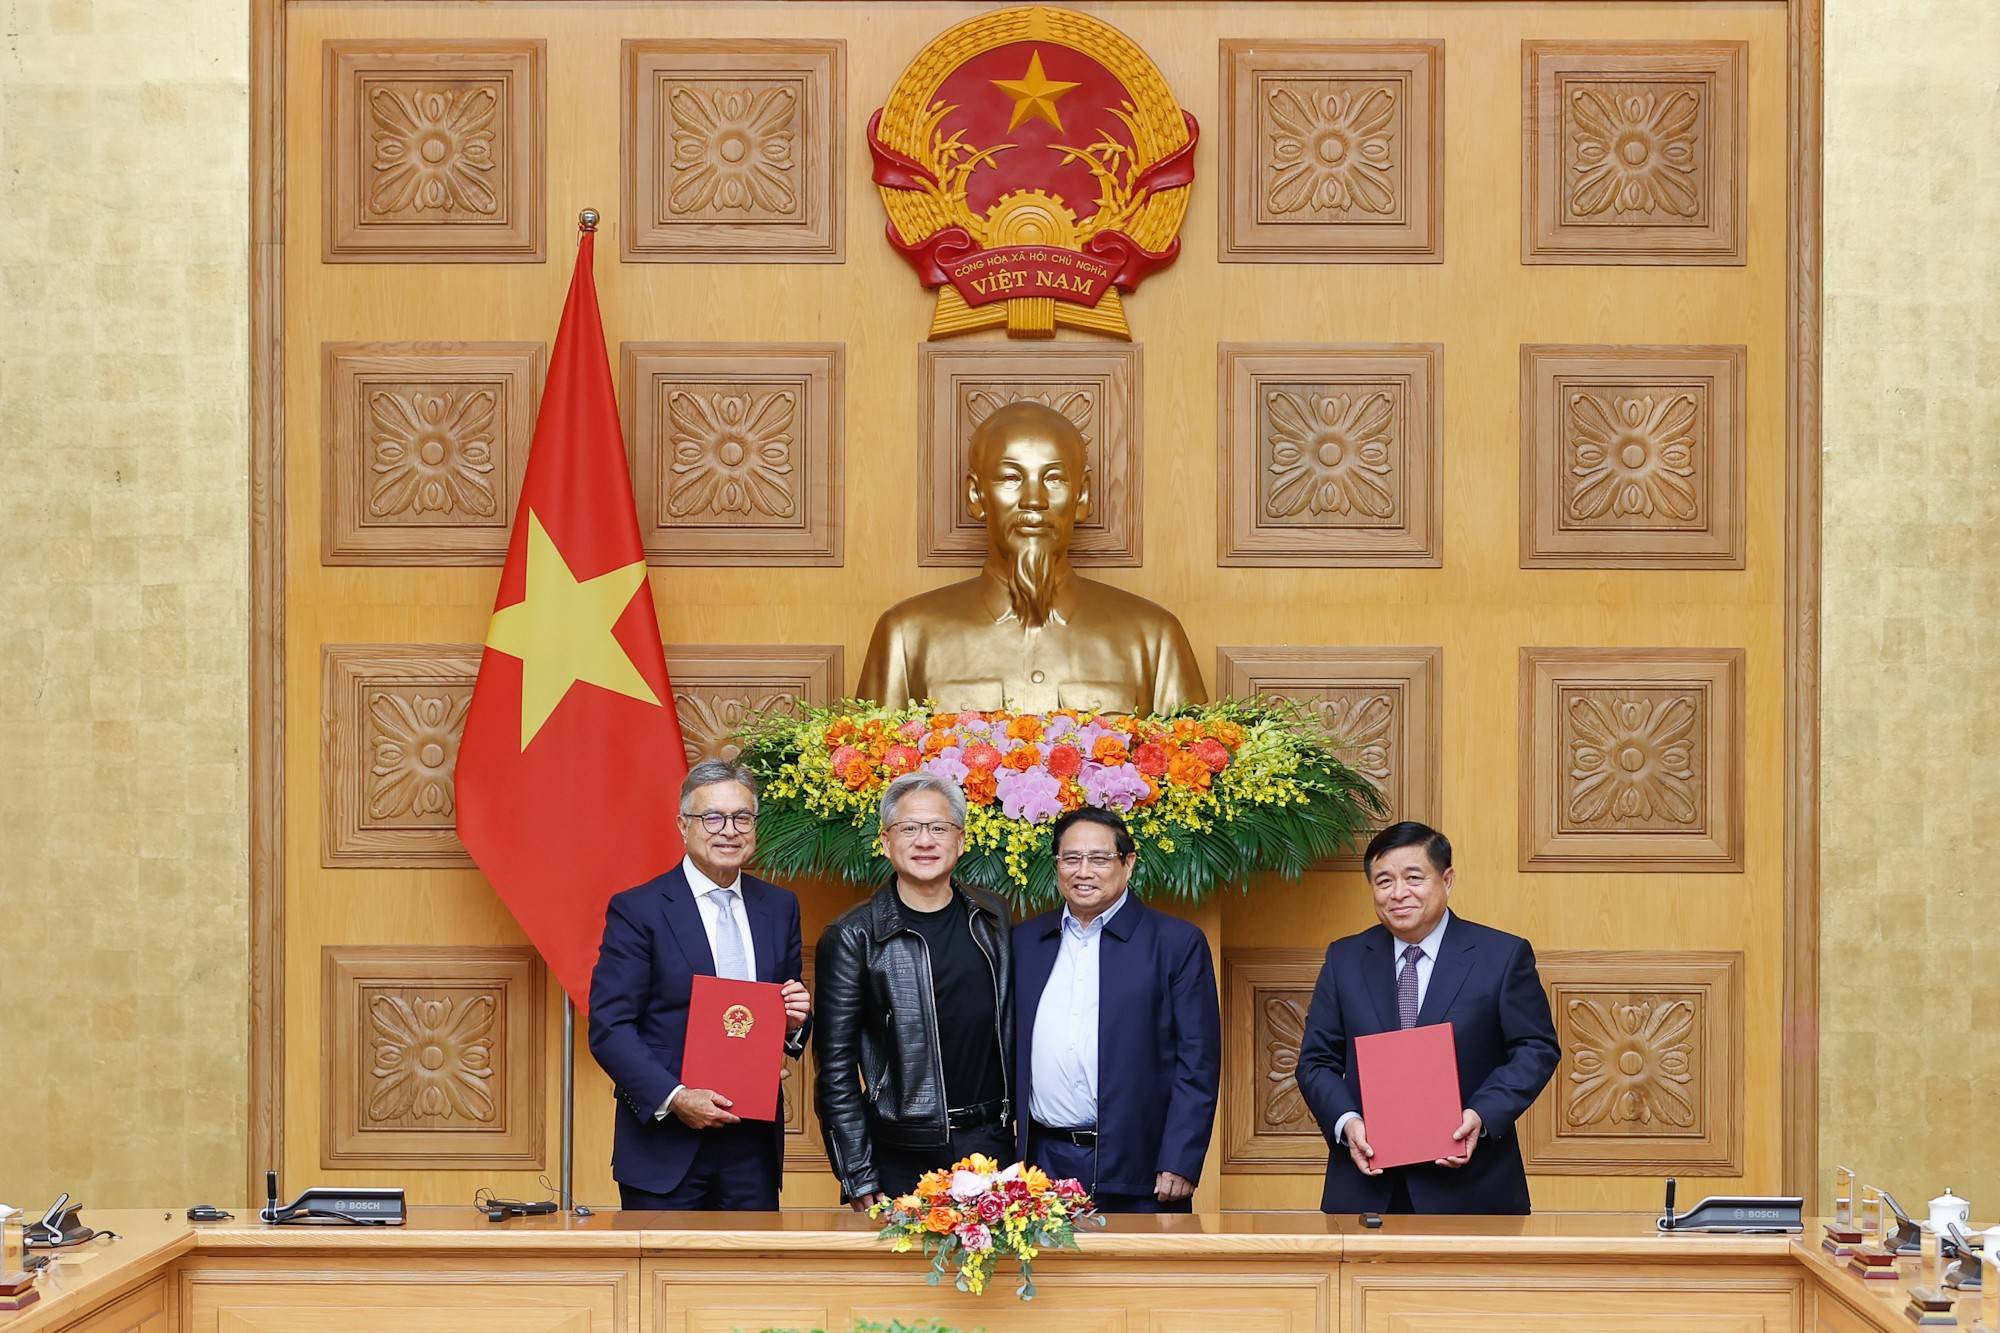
(717, 820)
(909, 829)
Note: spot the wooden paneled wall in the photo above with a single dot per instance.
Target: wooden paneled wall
(1483, 451)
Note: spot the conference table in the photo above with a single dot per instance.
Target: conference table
(1277, 1272)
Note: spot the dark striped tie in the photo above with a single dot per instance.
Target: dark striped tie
(1406, 987)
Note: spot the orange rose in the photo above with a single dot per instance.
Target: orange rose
(941, 1220)
(933, 1184)
(1229, 733)
(838, 732)
(1186, 729)
(943, 721)
(1071, 795)
(1025, 728)
(1187, 770)
(857, 773)
(980, 787)
(1152, 792)
(1110, 751)
(1023, 759)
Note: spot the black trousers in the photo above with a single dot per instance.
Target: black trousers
(1062, 1158)
(899, 1169)
(735, 1169)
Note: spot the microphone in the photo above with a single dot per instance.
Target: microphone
(271, 1195)
(1668, 1223)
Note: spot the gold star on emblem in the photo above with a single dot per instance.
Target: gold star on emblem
(561, 631)
(1034, 94)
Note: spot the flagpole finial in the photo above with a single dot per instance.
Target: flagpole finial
(587, 220)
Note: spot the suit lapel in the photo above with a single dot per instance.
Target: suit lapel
(684, 923)
(1380, 965)
(1448, 971)
(763, 914)
(1037, 962)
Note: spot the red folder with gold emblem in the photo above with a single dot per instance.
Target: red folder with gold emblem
(1410, 1104)
(736, 1043)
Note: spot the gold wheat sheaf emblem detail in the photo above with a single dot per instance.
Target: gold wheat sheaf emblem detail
(737, 1020)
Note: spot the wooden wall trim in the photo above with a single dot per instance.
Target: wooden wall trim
(265, 1142)
(1805, 141)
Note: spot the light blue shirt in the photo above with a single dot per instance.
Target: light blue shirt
(1424, 962)
(1064, 1063)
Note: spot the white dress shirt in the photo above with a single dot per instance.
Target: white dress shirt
(1064, 1060)
(711, 909)
(1425, 961)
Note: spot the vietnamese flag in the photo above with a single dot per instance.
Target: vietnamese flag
(570, 766)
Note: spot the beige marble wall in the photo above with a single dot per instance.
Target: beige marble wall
(124, 202)
(1910, 939)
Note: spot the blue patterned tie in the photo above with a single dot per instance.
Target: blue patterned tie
(729, 958)
(1406, 987)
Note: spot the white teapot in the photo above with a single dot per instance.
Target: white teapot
(1948, 1209)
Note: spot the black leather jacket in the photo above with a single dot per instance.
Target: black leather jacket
(873, 1016)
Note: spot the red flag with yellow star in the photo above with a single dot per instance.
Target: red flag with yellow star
(571, 760)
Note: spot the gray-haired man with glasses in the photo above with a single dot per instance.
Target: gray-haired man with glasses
(677, 1147)
(915, 1009)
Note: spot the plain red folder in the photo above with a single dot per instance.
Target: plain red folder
(1409, 1094)
(736, 1043)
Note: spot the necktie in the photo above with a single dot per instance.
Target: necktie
(730, 960)
(1406, 987)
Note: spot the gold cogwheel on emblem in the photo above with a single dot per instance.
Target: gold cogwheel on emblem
(1030, 217)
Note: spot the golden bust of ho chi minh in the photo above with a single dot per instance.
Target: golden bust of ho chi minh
(1030, 633)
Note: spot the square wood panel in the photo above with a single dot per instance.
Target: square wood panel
(738, 451)
(424, 449)
(1387, 702)
(1632, 457)
(1632, 759)
(434, 151)
(1098, 388)
(432, 1057)
(1330, 455)
(391, 719)
(1650, 1080)
(1633, 152)
(1266, 1126)
(1332, 152)
(732, 151)
(719, 687)
(805, 1148)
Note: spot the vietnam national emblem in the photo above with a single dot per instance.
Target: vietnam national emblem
(1035, 167)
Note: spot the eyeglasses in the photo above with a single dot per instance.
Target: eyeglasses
(1074, 861)
(910, 829)
(716, 820)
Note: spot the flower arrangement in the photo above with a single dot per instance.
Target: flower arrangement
(968, 1217)
(1213, 793)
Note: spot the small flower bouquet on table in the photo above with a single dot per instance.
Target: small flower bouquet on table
(967, 1218)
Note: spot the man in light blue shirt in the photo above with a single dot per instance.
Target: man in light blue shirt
(1118, 1045)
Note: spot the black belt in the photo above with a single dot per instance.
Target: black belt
(986, 1113)
(1081, 1138)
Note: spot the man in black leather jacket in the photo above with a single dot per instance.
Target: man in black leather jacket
(915, 1009)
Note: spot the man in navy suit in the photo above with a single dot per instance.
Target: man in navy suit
(1117, 1033)
(1424, 965)
(677, 1147)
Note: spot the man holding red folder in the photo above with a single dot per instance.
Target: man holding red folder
(1424, 966)
(678, 1146)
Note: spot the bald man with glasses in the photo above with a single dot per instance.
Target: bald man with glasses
(677, 1147)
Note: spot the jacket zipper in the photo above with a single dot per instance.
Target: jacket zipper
(937, 1040)
(999, 1036)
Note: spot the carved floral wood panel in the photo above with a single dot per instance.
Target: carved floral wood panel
(1096, 387)
(432, 1057)
(1329, 455)
(1386, 702)
(1632, 457)
(1650, 1076)
(1632, 759)
(392, 715)
(719, 687)
(738, 451)
(1634, 152)
(1266, 1127)
(424, 448)
(732, 150)
(1332, 152)
(434, 151)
